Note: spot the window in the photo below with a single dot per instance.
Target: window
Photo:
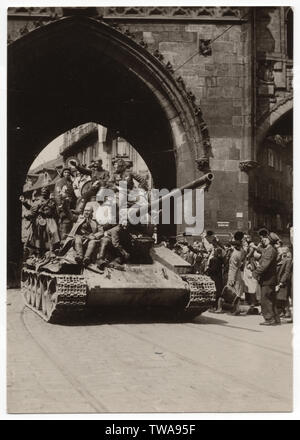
(270, 158)
(122, 149)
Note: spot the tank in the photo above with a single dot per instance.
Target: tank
(155, 278)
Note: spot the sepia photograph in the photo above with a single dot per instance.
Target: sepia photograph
(149, 210)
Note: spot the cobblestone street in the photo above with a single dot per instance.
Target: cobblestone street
(215, 363)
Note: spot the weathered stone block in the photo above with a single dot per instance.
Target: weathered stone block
(220, 148)
(228, 81)
(224, 130)
(232, 92)
(222, 70)
(184, 50)
(237, 121)
(221, 58)
(211, 81)
(182, 36)
(201, 92)
(234, 153)
(236, 69)
(148, 37)
(266, 89)
(223, 46)
(214, 92)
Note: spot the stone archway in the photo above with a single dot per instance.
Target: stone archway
(269, 119)
(271, 193)
(79, 69)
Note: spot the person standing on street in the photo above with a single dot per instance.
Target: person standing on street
(236, 262)
(283, 288)
(266, 275)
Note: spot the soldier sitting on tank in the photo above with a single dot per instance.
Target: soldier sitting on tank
(122, 172)
(43, 232)
(99, 178)
(114, 246)
(84, 237)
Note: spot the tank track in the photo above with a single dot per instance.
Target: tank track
(202, 292)
(53, 296)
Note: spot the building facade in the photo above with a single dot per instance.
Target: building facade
(191, 89)
(92, 141)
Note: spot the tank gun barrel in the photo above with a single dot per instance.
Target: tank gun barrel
(197, 183)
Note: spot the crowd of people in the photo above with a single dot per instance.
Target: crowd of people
(71, 217)
(245, 273)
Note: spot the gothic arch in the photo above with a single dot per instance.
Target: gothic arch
(79, 69)
(271, 117)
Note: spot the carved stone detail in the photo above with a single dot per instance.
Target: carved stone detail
(158, 55)
(203, 164)
(129, 34)
(169, 67)
(265, 71)
(248, 165)
(282, 141)
(143, 44)
(205, 48)
(176, 12)
(196, 12)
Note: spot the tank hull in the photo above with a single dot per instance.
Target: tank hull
(56, 297)
(150, 285)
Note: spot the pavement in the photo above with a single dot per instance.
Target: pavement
(216, 363)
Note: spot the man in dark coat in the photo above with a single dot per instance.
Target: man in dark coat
(215, 271)
(266, 275)
(43, 232)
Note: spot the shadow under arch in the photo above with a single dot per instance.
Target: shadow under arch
(269, 119)
(77, 70)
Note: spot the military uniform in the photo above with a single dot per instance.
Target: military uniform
(128, 177)
(85, 236)
(44, 234)
(266, 274)
(99, 178)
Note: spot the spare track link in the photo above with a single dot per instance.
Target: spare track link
(53, 296)
(202, 291)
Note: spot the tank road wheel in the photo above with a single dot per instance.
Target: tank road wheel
(51, 297)
(33, 290)
(44, 295)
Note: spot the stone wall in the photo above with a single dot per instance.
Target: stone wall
(246, 75)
